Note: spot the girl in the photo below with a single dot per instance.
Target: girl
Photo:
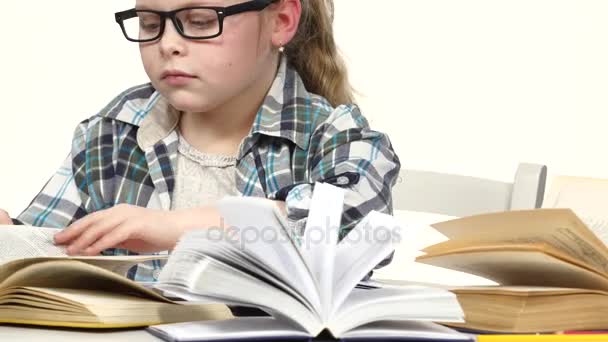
(245, 98)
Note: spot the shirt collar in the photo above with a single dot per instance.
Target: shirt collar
(161, 120)
(284, 113)
(286, 110)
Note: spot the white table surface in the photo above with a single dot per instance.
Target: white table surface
(33, 334)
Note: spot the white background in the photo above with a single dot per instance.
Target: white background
(463, 86)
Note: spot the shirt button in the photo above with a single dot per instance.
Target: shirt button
(342, 180)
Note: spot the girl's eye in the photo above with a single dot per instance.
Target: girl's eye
(202, 23)
(149, 26)
(149, 22)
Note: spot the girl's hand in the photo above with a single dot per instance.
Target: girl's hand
(130, 227)
(5, 219)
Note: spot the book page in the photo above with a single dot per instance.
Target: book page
(26, 242)
(525, 291)
(587, 197)
(215, 280)
(597, 223)
(413, 330)
(18, 242)
(416, 234)
(36, 297)
(558, 228)
(195, 248)
(370, 242)
(421, 303)
(242, 328)
(254, 232)
(520, 267)
(107, 308)
(319, 244)
(68, 273)
(87, 297)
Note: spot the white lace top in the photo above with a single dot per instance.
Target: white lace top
(200, 178)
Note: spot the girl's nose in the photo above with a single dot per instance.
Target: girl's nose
(172, 43)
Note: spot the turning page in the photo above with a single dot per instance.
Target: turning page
(18, 242)
(320, 240)
(558, 228)
(370, 242)
(587, 197)
(256, 232)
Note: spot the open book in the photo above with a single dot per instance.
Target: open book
(41, 285)
(552, 269)
(307, 283)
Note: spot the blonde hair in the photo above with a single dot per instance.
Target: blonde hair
(313, 53)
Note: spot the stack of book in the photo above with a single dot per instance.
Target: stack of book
(551, 269)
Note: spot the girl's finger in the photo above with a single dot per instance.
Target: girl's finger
(112, 239)
(75, 229)
(93, 233)
(5, 218)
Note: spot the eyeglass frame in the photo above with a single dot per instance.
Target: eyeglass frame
(222, 13)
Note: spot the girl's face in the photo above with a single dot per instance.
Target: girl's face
(216, 70)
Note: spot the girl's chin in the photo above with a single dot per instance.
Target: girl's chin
(189, 99)
(189, 103)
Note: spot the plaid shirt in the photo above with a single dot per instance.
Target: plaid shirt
(297, 139)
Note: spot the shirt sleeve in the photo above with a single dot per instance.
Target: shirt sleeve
(60, 202)
(362, 161)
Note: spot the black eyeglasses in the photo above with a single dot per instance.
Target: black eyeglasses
(203, 22)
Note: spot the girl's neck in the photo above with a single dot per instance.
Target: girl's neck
(217, 132)
(221, 130)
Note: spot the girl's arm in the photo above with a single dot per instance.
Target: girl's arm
(349, 154)
(60, 202)
(134, 228)
(137, 229)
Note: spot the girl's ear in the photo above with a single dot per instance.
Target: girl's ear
(286, 18)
